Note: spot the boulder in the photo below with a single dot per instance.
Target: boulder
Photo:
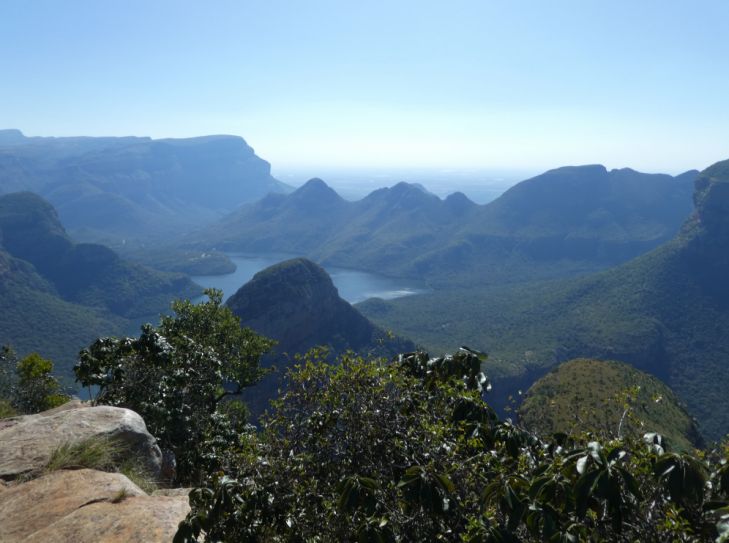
(85, 506)
(27, 442)
(28, 507)
(172, 492)
(137, 519)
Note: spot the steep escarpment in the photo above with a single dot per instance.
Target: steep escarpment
(126, 188)
(56, 296)
(86, 274)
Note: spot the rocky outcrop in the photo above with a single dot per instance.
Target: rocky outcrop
(142, 519)
(83, 505)
(28, 507)
(87, 506)
(27, 442)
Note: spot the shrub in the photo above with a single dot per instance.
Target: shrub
(28, 385)
(177, 376)
(408, 451)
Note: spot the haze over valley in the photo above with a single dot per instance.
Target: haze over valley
(386, 272)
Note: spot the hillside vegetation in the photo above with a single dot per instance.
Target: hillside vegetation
(57, 295)
(609, 399)
(34, 318)
(666, 313)
(296, 304)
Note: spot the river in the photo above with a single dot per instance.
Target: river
(353, 285)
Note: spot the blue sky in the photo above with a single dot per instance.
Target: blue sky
(525, 85)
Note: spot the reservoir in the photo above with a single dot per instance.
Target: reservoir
(353, 285)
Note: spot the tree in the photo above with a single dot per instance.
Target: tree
(37, 389)
(177, 376)
(27, 386)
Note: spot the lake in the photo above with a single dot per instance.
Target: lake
(353, 285)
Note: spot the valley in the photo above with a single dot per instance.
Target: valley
(384, 272)
(575, 262)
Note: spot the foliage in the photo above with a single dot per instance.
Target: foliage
(608, 399)
(8, 377)
(654, 313)
(177, 376)
(6, 409)
(408, 451)
(27, 386)
(37, 389)
(364, 435)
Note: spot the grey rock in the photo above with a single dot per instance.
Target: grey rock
(27, 442)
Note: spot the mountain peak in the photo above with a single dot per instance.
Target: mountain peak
(296, 303)
(459, 200)
(579, 170)
(316, 190)
(404, 186)
(297, 279)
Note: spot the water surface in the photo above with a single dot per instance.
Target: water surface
(353, 285)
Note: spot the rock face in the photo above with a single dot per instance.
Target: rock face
(27, 442)
(28, 507)
(140, 519)
(87, 506)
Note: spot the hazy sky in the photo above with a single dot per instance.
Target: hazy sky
(464, 84)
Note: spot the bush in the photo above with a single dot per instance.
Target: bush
(28, 385)
(408, 451)
(177, 376)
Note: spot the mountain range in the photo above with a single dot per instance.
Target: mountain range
(665, 312)
(568, 220)
(133, 188)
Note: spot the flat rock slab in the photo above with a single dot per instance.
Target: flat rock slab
(28, 507)
(138, 519)
(27, 442)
